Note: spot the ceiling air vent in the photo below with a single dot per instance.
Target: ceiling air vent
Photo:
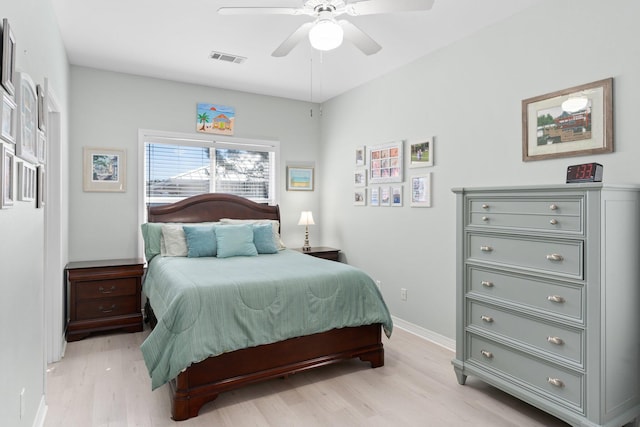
(225, 57)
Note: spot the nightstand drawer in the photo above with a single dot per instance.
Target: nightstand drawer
(107, 288)
(561, 257)
(108, 307)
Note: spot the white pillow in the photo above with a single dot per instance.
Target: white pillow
(174, 242)
(274, 224)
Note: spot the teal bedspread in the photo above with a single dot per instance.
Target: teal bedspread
(209, 306)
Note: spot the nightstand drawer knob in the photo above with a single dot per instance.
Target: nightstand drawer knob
(108, 310)
(555, 340)
(555, 382)
(486, 354)
(486, 248)
(555, 298)
(555, 257)
(485, 218)
(553, 207)
(487, 284)
(487, 319)
(106, 291)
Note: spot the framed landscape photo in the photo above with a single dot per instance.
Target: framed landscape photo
(104, 169)
(421, 153)
(385, 163)
(8, 57)
(421, 191)
(577, 121)
(300, 178)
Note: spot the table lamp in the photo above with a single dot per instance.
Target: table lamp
(306, 219)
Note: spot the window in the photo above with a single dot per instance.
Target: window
(179, 166)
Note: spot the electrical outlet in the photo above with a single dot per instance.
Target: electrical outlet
(403, 294)
(379, 284)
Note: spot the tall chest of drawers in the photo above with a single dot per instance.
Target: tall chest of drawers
(548, 297)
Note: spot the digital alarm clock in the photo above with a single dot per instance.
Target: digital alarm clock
(586, 172)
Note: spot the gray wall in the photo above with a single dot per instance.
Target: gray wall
(468, 95)
(107, 109)
(39, 53)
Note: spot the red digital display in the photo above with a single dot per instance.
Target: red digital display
(587, 172)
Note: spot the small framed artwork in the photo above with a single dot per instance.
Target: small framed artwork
(374, 196)
(421, 153)
(215, 118)
(7, 164)
(104, 169)
(27, 118)
(396, 195)
(360, 197)
(577, 121)
(385, 163)
(42, 125)
(40, 186)
(360, 156)
(41, 147)
(8, 118)
(360, 178)
(8, 57)
(299, 178)
(26, 182)
(385, 196)
(421, 191)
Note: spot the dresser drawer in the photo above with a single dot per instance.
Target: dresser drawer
(527, 205)
(552, 382)
(563, 342)
(556, 223)
(107, 288)
(559, 257)
(551, 297)
(107, 307)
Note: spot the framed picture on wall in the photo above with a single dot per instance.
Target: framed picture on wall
(421, 191)
(8, 118)
(577, 121)
(40, 186)
(104, 169)
(360, 178)
(385, 163)
(8, 57)
(385, 196)
(26, 182)
(27, 118)
(360, 197)
(396, 195)
(7, 164)
(360, 156)
(421, 153)
(374, 196)
(42, 124)
(299, 178)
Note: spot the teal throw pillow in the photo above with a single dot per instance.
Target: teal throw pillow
(263, 239)
(201, 240)
(235, 240)
(152, 235)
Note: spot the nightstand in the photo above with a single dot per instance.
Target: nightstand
(331, 254)
(103, 295)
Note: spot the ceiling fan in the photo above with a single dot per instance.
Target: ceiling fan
(325, 32)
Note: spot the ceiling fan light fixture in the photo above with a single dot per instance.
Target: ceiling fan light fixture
(326, 34)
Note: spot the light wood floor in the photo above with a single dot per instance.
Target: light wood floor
(102, 381)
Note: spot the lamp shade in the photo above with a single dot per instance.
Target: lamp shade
(326, 34)
(306, 218)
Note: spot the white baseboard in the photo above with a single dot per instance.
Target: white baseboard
(426, 334)
(42, 413)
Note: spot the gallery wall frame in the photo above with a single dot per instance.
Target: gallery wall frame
(421, 191)
(396, 195)
(577, 121)
(26, 181)
(104, 169)
(41, 187)
(8, 118)
(361, 156)
(8, 54)
(41, 147)
(300, 178)
(7, 167)
(42, 117)
(360, 197)
(374, 196)
(386, 162)
(26, 117)
(360, 178)
(421, 152)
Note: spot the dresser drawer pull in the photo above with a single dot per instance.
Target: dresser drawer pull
(555, 382)
(555, 340)
(487, 319)
(109, 310)
(485, 206)
(555, 257)
(555, 298)
(487, 284)
(553, 207)
(485, 218)
(486, 354)
(104, 291)
(486, 248)
(553, 222)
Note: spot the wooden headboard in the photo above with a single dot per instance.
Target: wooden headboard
(212, 207)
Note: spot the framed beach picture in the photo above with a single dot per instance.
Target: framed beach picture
(385, 163)
(215, 118)
(577, 121)
(421, 153)
(421, 191)
(300, 178)
(104, 169)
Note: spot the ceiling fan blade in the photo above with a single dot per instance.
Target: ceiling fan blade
(260, 11)
(371, 7)
(291, 41)
(359, 38)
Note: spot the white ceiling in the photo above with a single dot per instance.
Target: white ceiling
(172, 39)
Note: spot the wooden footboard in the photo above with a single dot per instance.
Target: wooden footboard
(202, 382)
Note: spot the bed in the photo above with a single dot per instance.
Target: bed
(263, 332)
